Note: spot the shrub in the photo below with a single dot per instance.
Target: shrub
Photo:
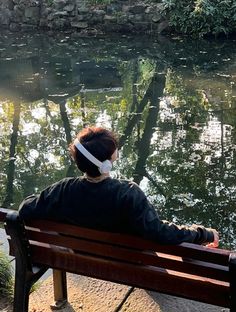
(201, 17)
(6, 276)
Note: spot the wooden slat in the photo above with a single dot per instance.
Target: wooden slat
(188, 270)
(132, 255)
(166, 281)
(202, 253)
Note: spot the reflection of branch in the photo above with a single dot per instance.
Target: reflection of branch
(65, 121)
(71, 170)
(67, 128)
(143, 145)
(48, 113)
(135, 118)
(134, 86)
(157, 186)
(82, 98)
(223, 165)
(11, 164)
(28, 163)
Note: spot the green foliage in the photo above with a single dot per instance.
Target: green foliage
(6, 279)
(202, 17)
(189, 103)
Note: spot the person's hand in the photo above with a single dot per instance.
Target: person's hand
(215, 243)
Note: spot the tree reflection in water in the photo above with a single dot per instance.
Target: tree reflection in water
(172, 104)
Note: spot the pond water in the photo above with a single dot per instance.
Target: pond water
(171, 101)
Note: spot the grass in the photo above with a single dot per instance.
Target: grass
(6, 276)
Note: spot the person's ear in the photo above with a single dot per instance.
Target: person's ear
(114, 156)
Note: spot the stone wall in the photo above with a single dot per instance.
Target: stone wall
(81, 16)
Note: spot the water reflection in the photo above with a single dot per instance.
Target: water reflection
(171, 102)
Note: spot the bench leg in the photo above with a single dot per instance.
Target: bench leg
(24, 279)
(60, 289)
(23, 285)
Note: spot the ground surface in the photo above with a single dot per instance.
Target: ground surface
(91, 295)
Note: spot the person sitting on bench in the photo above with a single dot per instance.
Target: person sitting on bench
(98, 201)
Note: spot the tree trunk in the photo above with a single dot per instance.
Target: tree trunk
(11, 164)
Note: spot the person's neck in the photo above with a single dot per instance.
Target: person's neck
(96, 179)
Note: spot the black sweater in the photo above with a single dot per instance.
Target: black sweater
(111, 205)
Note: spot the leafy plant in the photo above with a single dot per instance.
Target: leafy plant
(6, 276)
(201, 17)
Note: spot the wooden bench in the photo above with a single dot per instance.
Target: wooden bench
(187, 270)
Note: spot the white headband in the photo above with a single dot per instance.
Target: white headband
(104, 167)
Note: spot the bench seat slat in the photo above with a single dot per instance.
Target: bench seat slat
(166, 281)
(201, 253)
(132, 255)
(187, 270)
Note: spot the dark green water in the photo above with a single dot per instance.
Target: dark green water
(172, 102)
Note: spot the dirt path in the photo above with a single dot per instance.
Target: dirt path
(91, 295)
(5, 306)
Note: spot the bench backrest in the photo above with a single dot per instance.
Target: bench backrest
(187, 270)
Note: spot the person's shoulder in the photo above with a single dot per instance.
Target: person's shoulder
(125, 184)
(130, 183)
(128, 192)
(121, 182)
(67, 181)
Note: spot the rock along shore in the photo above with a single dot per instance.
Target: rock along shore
(125, 16)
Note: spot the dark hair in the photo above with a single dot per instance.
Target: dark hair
(100, 142)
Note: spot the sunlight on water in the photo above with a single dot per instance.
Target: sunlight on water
(34, 154)
(38, 113)
(30, 127)
(172, 106)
